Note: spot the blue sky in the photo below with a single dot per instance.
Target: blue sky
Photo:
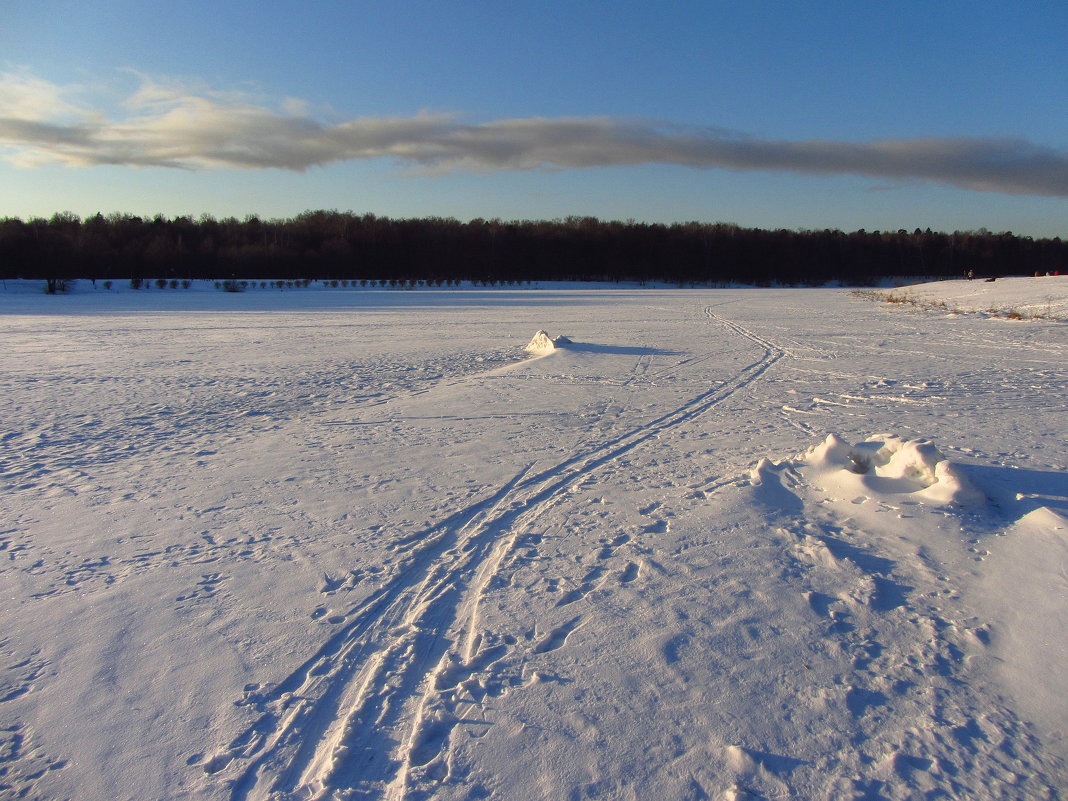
(846, 115)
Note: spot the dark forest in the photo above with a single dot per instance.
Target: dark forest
(326, 245)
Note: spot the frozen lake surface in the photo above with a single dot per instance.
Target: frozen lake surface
(727, 544)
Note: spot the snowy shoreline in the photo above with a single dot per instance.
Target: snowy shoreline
(1040, 297)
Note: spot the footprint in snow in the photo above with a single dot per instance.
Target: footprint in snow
(587, 586)
(859, 701)
(609, 548)
(630, 572)
(558, 636)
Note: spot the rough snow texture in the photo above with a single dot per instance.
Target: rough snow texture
(359, 545)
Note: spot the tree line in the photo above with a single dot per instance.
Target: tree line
(325, 245)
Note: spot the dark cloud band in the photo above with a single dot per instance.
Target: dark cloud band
(196, 131)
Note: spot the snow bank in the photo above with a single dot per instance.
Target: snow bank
(1043, 297)
(1021, 589)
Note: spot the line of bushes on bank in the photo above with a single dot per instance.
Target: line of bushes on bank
(344, 246)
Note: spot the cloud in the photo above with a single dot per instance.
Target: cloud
(170, 124)
(26, 97)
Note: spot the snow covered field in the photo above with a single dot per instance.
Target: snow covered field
(725, 544)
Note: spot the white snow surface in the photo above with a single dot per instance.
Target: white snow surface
(727, 544)
(1041, 296)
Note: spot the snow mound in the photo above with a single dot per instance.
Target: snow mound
(542, 343)
(952, 487)
(834, 452)
(1046, 518)
(915, 460)
(888, 463)
(762, 473)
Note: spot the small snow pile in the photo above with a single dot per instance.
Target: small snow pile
(543, 343)
(885, 463)
(762, 473)
(833, 453)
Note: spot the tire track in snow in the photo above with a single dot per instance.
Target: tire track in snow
(351, 719)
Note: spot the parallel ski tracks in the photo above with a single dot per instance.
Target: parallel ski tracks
(346, 722)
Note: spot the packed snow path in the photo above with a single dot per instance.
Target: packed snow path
(361, 546)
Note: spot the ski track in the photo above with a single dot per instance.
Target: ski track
(355, 719)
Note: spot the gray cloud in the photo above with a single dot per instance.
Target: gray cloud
(169, 126)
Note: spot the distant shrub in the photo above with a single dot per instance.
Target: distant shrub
(135, 283)
(186, 283)
(174, 283)
(54, 286)
(230, 285)
(161, 283)
(107, 284)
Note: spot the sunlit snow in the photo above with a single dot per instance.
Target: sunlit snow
(333, 544)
